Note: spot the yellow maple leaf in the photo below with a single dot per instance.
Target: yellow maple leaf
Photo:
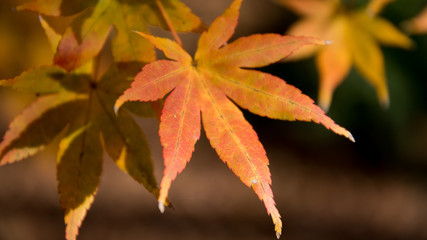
(355, 34)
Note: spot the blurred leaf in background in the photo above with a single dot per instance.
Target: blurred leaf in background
(418, 24)
(355, 35)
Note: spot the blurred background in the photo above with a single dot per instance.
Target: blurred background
(325, 186)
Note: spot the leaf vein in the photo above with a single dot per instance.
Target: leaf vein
(181, 124)
(229, 128)
(164, 77)
(261, 51)
(275, 96)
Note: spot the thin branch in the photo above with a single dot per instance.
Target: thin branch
(168, 22)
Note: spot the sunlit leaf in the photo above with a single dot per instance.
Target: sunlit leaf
(205, 84)
(79, 167)
(86, 35)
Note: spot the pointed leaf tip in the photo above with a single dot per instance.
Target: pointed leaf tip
(277, 225)
(116, 109)
(350, 136)
(119, 102)
(328, 42)
(141, 34)
(161, 207)
(317, 41)
(385, 103)
(53, 37)
(135, 31)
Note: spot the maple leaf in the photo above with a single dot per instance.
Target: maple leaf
(199, 89)
(85, 36)
(355, 35)
(79, 104)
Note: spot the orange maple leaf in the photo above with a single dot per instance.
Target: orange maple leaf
(199, 88)
(86, 34)
(355, 35)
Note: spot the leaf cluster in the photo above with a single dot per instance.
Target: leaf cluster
(94, 84)
(356, 35)
(93, 64)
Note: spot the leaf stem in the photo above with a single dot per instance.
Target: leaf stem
(168, 22)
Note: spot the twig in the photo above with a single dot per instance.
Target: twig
(168, 22)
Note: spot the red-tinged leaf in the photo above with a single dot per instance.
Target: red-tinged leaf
(84, 39)
(179, 14)
(237, 145)
(220, 31)
(245, 51)
(179, 131)
(270, 96)
(204, 84)
(79, 166)
(87, 33)
(115, 82)
(156, 79)
(39, 123)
